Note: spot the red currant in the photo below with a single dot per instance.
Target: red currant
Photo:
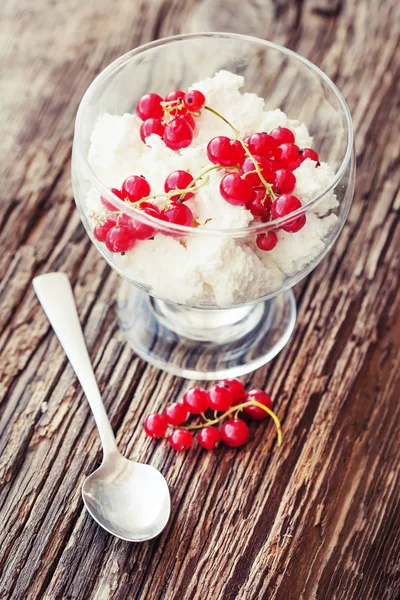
(240, 152)
(151, 126)
(209, 438)
(107, 204)
(181, 439)
(100, 231)
(310, 153)
(255, 412)
(179, 108)
(289, 156)
(237, 389)
(235, 190)
(135, 188)
(267, 241)
(178, 134)
(176, 413)
(221, 398)
(179, 214)
(284, 205)
(284, 181)
(149, 107)
(196, 400)
(189, 119)
(221, 150)
(179, 180)
(120, 239)
(253, 178)
(260, 203)
(235, 433)
(194, 100)
(283, 135)
(262, 144)
(155, 425)
(143, 231)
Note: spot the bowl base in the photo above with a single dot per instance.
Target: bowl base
(205, 344)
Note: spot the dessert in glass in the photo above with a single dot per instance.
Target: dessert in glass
(213, 172)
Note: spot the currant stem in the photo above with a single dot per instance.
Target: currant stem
(237, 409)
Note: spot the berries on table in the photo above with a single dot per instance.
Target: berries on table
(267, 241)
(221, 150)
(310, 153)
(179, 214)
(235, 433)
(282, 135)
(181, 439)
(179, 180)
(283, 206)
(289, 156)
(178, 133)
(149, 107)
(221, 398)
(255, 412)
(235, 190)
(135, 188)
(156, 425)
(209, 437)
(262, 144)
(194, 100)
(196, 400)
(284, 182)
(120, 239)
(176, 413)
(236, 388)
(151, 126)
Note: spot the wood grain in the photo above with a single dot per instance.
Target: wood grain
(317, 519)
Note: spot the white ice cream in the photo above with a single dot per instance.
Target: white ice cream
(204, 268)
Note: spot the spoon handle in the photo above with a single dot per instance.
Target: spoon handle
(56, 297)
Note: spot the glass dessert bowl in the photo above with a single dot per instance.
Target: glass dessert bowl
(207, 272)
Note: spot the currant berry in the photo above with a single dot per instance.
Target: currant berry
(155, 425)
(235, 190)
(262, 144)
(179, 214)
(235, 433)
(260, 203)
(310, 153)
(267, 241)
(194, 100)
(189, 119)
(221, 398)
(283, 206)
(120, 239)
(221, 150)
(179, 180)
(282, 135)
(181, 439)
(179, 108)
(135, 188)
(240, 152)
(289, 156)
(284, 182)
(255, 412)
(149, 107)
(253, 177)
(236, 388)
(144, 231)
(178, 134)
(209, 437)
(107, 204)
(151, 126)
(100, 231)
(176, 413)
(196, 400)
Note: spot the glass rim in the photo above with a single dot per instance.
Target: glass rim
(238, 232)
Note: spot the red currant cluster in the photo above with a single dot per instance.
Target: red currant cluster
(171, 117)
(258, 174)
(228, 397)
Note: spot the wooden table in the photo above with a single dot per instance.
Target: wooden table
(318, 518)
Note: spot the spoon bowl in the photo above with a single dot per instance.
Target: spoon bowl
(128, 499)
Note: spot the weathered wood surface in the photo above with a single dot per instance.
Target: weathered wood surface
(317, 519)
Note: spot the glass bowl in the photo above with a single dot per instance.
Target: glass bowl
(204, 302)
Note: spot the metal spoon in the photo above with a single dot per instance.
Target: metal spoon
(130, 500)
